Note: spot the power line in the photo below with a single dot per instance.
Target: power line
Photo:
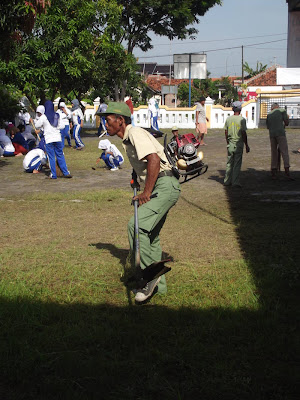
(225, 48)
(267, 48)
(217, 40)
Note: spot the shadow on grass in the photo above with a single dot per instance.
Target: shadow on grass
(102, 352)
(80, 351)
(121, 254)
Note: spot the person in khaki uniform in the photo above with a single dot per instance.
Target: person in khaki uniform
(236, 138)
(277, 120)
(147, 157)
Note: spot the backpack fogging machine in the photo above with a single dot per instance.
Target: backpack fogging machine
(184, 155)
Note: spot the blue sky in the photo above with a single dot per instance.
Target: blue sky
(235, 23)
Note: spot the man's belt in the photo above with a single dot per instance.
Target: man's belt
(165, 173)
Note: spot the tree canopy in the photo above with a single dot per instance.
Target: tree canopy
(73, 47)
(171, 18)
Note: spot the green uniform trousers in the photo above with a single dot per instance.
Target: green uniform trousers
(234, 163)
(152, 216)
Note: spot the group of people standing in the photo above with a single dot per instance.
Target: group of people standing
(236, 139)
(51, 129)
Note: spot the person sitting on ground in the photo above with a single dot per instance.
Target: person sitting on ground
(18, 141)
(6, 145)
(34, 160)
(110, 155)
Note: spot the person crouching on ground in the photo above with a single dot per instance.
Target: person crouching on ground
(236, 138)
(147, 157)
(34, 160)
(6, 147)
(51, 124)
(110, 155)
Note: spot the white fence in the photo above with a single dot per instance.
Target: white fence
(183, 118)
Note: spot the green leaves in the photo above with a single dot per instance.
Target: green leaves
(171, 18)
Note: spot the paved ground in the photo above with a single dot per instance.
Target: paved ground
(255, 171)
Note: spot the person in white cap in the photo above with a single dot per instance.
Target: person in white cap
(51, 124)
(174, 132)
(34, 160)
(65, 115)
(27, 135)
(111, 155)
(236, 138)
(153, 112)
(77, 120)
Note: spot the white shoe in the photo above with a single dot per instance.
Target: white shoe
(114, 169)
(144, 293)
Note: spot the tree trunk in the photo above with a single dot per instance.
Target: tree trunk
(117, 94)
(32, 103)
(123, 91)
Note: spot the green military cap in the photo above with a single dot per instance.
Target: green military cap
(115, 107)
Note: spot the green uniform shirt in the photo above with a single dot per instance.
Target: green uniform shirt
(275, 122)
(234, 126)
(138, 143)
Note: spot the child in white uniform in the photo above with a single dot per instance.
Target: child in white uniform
(34, 160)
(111, 155)
(51, 124)
(6, 145)
(77, 119)
(65, 115)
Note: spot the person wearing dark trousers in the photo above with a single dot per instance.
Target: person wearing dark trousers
(277, 120)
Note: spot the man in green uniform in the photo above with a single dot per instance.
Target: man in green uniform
(147, 157)
(236, 138)
(277, 120)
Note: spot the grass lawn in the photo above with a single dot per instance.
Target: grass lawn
(227, 329)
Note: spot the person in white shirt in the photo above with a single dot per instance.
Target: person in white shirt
(65, 115)
(153, 111)
(201, 120)
(111, 155)
(51, 124)
(34, 160)
(77, 120)
(27, 135)
(6, 145)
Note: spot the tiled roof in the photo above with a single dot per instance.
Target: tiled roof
(266, 78)
(155, 82)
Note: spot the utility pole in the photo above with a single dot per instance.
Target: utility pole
(190, 78)
(242, 64)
